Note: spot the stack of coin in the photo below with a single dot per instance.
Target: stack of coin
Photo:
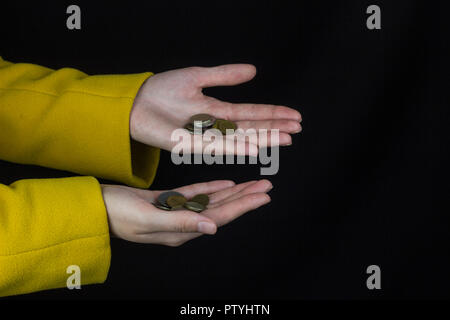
(172, 200)
(163, 202)
(199, 123)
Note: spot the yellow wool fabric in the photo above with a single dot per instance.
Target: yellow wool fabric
(67, 120)
(47, 225)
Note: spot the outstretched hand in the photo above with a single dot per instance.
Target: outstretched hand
(167, 100)
(132, 216)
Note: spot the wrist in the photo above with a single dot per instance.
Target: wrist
(136, 113)
(105, 194)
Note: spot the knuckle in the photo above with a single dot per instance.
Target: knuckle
(185, 226)
(182, 226)
(254, 197)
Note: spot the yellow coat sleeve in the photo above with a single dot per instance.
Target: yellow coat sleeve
(47, 225)
(68, 120)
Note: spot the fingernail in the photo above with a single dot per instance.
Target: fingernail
(206, 227)
(270, 185)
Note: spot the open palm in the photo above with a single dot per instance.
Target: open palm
(167, 100)
(132, 216)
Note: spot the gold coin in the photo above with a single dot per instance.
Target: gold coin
(223, 125)
(203, 199)
(194, 206)
(176, 201)
(162, 198)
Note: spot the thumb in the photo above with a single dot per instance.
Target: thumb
(184, 221)
(225, 75)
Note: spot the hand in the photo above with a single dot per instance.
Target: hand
(167, 100)
(132, 216)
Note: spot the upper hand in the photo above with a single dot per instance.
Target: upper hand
(167, 100)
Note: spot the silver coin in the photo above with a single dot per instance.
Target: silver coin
(159, 206)
(163, 197)
(202, 120)
(203, 199)
(190, 127)
(196, 130)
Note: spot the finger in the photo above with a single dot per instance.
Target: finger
(213, 142)
(204, 187)
(251, 111)
(264, 138)
(183, 221)
(223, 194)
(288, 126)
(258, 187)
(224, 75)
(231, 210)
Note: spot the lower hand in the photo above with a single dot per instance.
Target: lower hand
(132, 216)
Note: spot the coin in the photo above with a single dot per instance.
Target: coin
(172, 200)
(202, 120)
(203, 199)
(163, 197)
(223, 125)
(190, 127)
(176, 201)
(159, 206)
(194, 206)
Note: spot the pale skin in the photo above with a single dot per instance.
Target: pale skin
(164, 103)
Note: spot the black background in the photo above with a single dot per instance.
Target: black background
(366, 182)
